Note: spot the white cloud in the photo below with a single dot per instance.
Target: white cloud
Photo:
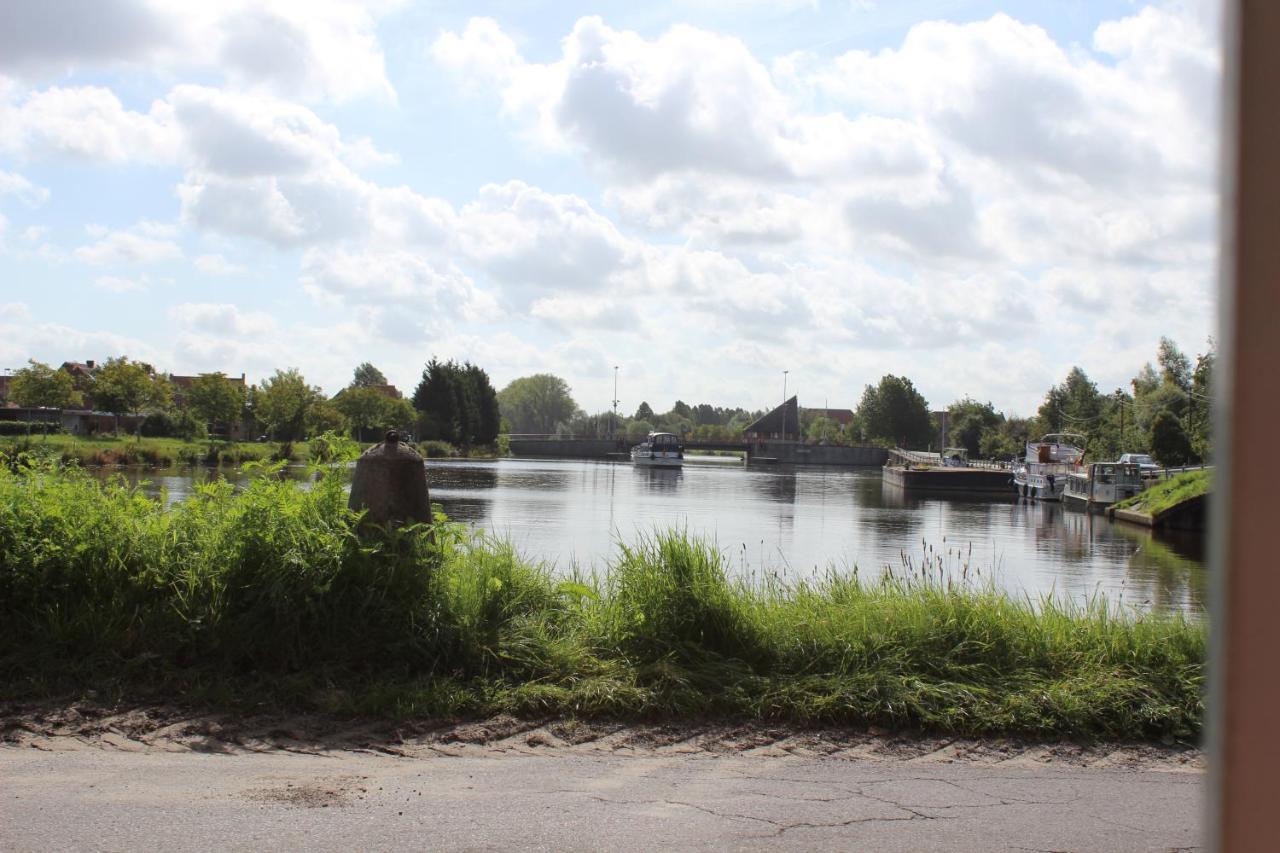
(125, 247)
(115, 284)
(532, 241)
(28, 193)
(311, 49)
(217, 265)
(223, 319)
(86, 123)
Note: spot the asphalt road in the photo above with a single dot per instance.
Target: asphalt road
(101, 799)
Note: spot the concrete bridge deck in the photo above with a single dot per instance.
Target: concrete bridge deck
(765, 451)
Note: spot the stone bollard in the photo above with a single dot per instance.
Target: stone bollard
(390, 483)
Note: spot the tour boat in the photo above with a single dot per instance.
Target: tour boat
(1103, 483)
(1043, 473)
(661, 450)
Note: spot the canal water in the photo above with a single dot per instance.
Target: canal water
(800, 522)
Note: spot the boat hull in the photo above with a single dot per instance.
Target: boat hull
(1039, 487)
(648, 460)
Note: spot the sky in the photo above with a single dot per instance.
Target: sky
(976, 195)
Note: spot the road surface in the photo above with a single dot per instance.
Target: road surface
(527, 788)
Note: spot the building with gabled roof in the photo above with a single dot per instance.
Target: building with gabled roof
(781, 423)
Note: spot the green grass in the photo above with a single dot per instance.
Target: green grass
(1169, 493)
(127, 450)
(267, 596)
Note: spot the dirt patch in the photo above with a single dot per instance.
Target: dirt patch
(167, 728)
(321, 794)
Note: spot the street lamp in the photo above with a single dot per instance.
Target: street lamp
(784, 404)
(613, 424)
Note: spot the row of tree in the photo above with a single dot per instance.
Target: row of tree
(1164, 411)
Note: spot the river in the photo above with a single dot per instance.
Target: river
(799, 522)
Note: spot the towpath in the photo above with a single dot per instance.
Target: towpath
(504, 784)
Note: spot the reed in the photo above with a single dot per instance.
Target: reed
(268, 595)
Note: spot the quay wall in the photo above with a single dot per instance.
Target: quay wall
(576, 448)
(779, 452)
(795, 453)
(950, 479)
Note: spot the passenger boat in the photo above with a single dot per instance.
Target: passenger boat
(1043, 473)
(660, 450)
(1103, 483)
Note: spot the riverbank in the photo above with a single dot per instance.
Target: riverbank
(266, 597)
(1178, 502)
(154, 452)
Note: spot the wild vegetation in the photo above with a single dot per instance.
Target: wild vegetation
(268, 595)
(1169, 493)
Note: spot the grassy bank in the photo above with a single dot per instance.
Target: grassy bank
(267, 596)
(1169, 493)
(127, 450)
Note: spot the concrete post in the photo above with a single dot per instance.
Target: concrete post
(390, 484)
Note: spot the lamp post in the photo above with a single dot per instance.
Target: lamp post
(784, 404)
(613, 424)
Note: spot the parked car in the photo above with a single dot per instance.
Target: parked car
(1142, 460)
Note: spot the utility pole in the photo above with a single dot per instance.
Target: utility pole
(613, 424)
(784, 404)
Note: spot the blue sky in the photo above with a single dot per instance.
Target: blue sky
(977, 195)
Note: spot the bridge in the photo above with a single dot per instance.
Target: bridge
(757, 451)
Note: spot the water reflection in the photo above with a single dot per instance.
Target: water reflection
(799, 521)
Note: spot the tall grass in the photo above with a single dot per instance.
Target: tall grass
(270, 594)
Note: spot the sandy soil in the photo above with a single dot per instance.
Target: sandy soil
(147, 728)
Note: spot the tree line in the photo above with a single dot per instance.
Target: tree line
(1164, 410)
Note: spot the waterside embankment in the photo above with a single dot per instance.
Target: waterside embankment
(269, 595)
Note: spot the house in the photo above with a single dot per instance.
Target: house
(781, 423)
(236, 431)
(843, 417)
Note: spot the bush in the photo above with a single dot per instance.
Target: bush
(157, 425)
(30, 427)
(188, 427)
(437, 449)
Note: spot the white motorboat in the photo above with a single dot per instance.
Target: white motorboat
(1103, 483)
(660, 450)
(1043, 473)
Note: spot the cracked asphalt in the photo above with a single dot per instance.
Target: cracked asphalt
(99, 799)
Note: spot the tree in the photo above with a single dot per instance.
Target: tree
(40, 386)
(536, 403)
(323, 417)
(281, 403)
(364, 409)
(482, 403)
(1073, 406)
(457, 403)
(1008, 439)
(644, 412)
(438, 402)
(1169, 442)
(895, 412)
(216, 400)
(681, 408)
(123, 387)
(1200, 414)
(967, 420)
(823, 430)
(367, 375)
(1175, 368)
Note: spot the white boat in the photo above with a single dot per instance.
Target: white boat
(1042, 475)
(1103, 483)
(660, 450)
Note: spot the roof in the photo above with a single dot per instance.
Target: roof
(840, 416)
(187, 381)
(784, 420)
